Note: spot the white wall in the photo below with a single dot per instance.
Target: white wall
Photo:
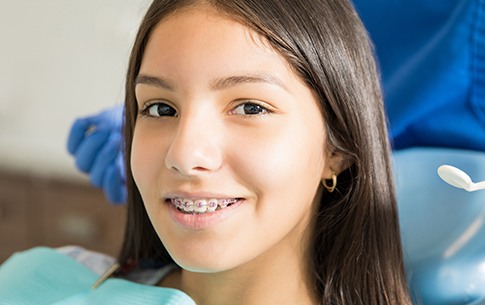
(59, 59)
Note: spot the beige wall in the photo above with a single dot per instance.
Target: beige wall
(59, 59)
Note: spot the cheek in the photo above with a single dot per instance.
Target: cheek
(145, 158)
(286, 159)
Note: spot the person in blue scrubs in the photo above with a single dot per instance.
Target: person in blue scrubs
(432, 60)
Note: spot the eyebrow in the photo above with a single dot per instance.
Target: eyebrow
(215, 85)
(232, 81)
(154, 81)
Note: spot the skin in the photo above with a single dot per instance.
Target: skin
(274, 157)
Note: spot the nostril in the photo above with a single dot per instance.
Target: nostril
(200, 168)
(190, 165)
(191, 153)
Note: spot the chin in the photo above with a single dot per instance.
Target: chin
(202, 265)
(204, 259)
(205, 252)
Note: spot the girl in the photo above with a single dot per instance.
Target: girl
(257, 155)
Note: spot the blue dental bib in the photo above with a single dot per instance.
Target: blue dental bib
(43, 276)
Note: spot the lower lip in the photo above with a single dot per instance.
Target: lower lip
(202, 221)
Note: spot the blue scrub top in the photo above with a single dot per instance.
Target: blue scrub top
(432, 59)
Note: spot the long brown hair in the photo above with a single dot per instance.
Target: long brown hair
(355, 254)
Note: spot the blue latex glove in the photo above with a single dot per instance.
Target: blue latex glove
(95, 142)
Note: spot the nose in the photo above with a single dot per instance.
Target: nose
(195, 147)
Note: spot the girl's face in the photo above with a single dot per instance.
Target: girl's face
(224, 121)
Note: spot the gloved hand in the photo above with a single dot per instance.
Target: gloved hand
(95, 142)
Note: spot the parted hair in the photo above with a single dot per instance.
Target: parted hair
(355, 254)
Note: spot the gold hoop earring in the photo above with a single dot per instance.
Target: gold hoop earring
(331, 188)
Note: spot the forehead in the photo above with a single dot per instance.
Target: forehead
(207, 20)
(208, 33)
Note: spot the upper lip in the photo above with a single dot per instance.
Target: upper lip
(198, 195)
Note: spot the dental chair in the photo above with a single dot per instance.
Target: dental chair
(442, 227)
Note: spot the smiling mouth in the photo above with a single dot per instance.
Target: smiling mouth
(202, 206)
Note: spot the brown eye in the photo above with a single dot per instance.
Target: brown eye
(159, 110)
(250, 109)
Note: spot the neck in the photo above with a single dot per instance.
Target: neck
(275, 281)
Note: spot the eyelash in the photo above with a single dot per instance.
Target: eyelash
(146, 110)
(264, 110)
(170, 111)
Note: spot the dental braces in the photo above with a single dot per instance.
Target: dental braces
(187, 204)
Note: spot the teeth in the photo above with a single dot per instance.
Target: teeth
(188, 205)
(212, 205)
(177, 202)
(223, 203)
(201, 205)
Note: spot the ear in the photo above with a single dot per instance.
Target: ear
(335, 163)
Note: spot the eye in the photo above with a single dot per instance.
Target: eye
(250, 108)
(159, 110)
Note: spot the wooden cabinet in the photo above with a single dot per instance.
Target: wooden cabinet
(36, 211)
(14, 224)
